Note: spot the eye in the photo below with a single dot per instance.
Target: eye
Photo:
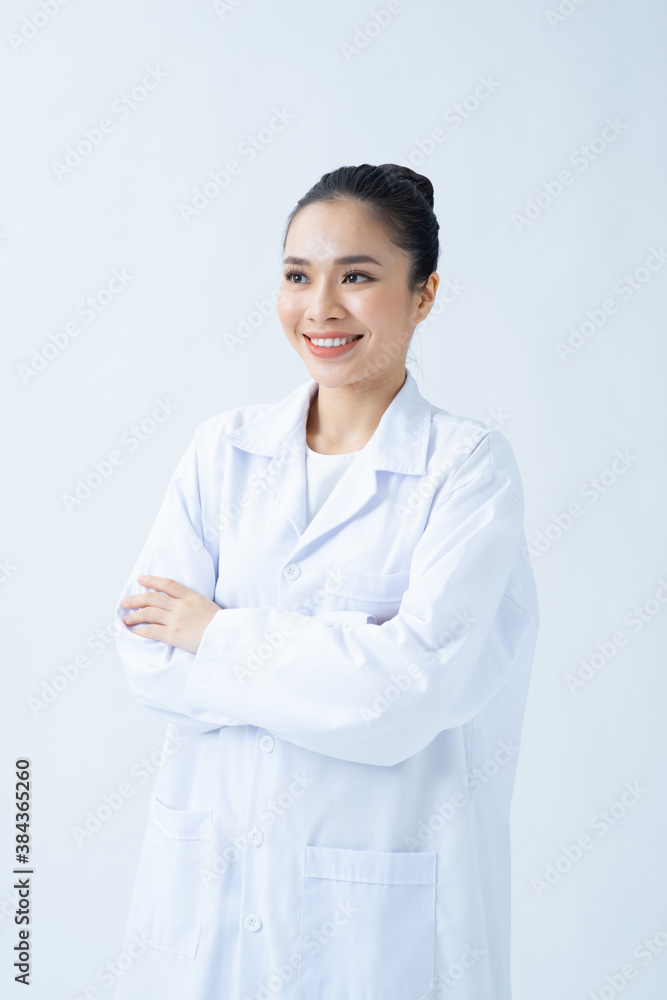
(291, 273)
(294, 273)
(357, 274)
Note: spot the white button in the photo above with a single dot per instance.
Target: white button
(267, 743)
(292, 571)
(252, 922)
(255, 836)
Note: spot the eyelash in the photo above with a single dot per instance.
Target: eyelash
(288, 275)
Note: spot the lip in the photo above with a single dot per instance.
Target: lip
(331, 352)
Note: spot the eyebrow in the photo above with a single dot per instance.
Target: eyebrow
(359, 258)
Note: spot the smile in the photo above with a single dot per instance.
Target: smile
(332, 347)
(333, 342)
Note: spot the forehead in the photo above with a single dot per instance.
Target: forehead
(324, 230)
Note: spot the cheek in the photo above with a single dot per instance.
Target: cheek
(287, 310)
(381, 313)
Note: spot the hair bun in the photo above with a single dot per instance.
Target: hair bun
(422, 183)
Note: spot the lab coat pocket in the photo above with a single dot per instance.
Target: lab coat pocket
(168, 897)
(380, 594)
(366, 586)
(367, 924)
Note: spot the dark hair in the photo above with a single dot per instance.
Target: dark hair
(395, 196)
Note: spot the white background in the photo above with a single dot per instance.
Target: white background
(552, 82)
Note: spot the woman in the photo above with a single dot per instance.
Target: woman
(336, 615)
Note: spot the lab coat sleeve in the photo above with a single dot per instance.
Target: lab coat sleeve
(176, 548)
(380, 693)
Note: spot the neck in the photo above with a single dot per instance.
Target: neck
(344, 418)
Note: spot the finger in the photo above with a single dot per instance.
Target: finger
(149, 598)
(151, 632)
(165, 584)
(155, 616)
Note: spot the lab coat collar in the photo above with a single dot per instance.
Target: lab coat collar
(399, 444)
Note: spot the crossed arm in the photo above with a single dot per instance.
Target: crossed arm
(172, 613)
(320, 687)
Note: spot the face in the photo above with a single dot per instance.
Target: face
(343, 278)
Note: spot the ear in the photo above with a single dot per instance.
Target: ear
(426, 298)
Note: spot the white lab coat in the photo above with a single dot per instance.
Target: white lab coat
(332, 816)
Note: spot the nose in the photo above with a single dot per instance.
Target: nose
(323, 303)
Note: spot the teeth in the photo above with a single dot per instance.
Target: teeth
(336, 342)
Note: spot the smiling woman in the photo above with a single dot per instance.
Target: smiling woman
(336, 589)
(361, 249)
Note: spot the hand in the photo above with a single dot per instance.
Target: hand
(177, 615)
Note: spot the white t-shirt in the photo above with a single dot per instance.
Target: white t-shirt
(322, 474)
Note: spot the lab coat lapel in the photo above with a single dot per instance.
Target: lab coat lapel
(355, 487)
(399, 444)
